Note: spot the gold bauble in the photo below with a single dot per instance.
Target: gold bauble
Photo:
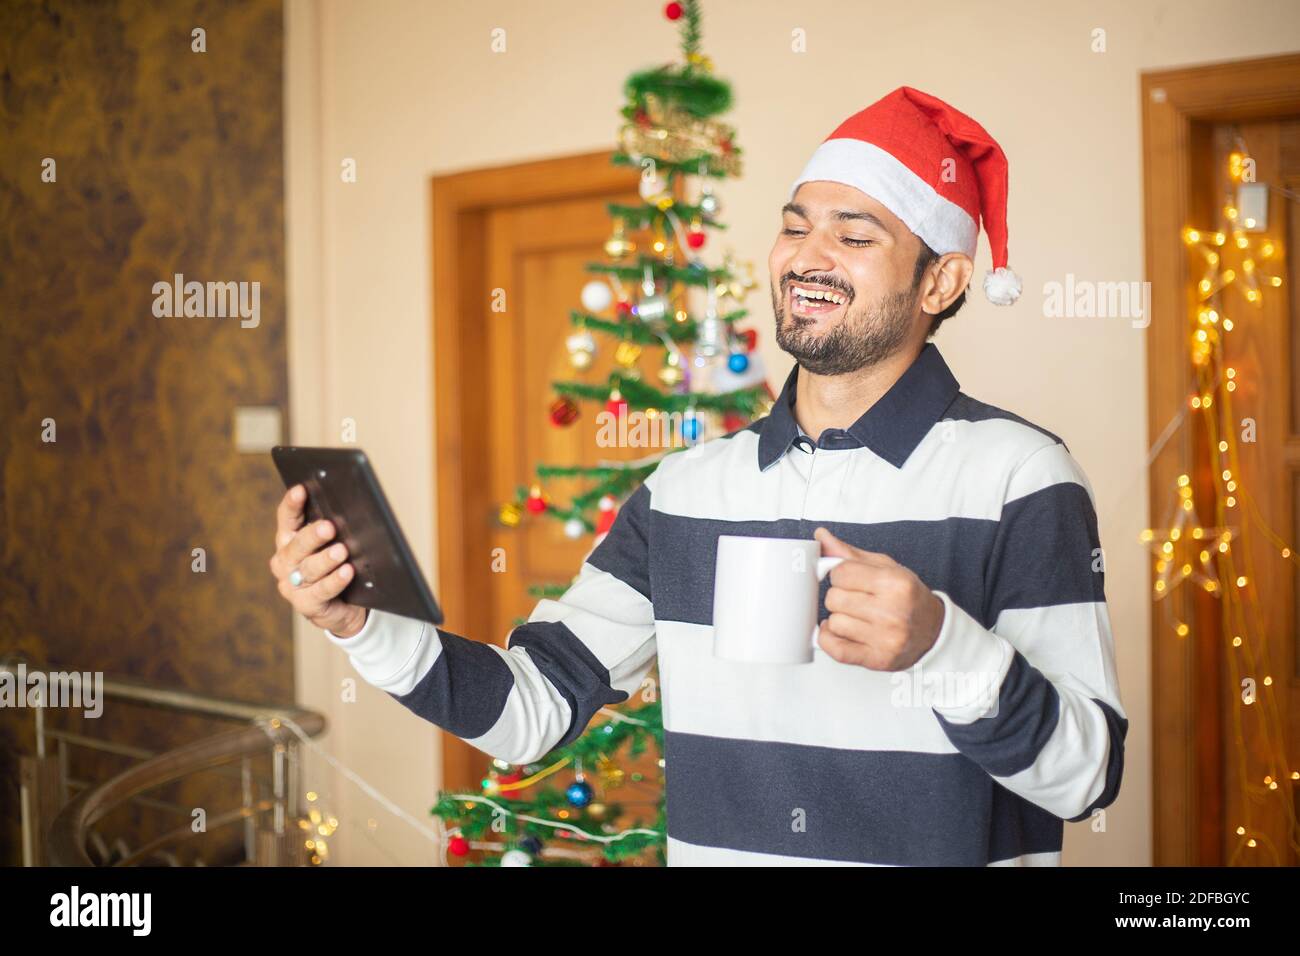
(580, 360)
(627, 353)
(510, 514)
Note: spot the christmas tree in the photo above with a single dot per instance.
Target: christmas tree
(654, 292)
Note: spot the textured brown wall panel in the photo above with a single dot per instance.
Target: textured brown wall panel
(168, 161)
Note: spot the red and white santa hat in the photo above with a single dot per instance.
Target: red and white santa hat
(933, 167)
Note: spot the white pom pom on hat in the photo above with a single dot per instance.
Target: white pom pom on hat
(934, 168)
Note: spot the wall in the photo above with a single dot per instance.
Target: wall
(167, 161)
(410, 90)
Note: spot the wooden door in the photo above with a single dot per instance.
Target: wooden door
(1204, 780)
(525, 232)
(536, 258)
(1263, 349)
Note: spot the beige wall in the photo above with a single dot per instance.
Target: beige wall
(410, 89)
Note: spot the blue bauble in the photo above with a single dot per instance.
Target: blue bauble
(530, 844)
(738, 362)
(690, 428)
(579, 793)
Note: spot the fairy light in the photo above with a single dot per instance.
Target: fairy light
(1237, 259)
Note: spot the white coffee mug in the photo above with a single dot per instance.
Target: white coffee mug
(765, 598)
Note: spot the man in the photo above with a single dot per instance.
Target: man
(964, 702)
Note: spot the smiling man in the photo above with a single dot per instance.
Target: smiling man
(963, 702)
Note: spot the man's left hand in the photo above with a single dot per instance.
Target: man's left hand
(882, 616)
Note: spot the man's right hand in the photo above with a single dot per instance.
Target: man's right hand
(323, 567)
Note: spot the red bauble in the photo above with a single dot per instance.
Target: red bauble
(673, 11)
(564, 411)
(695, 238)
(510, 778)
(458, 846)
(623, 309)
(732, 422)
(750, 337)
(536, 504)
(617, 404)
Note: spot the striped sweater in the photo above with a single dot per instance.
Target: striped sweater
(826, 763)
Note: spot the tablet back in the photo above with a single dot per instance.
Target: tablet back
(342, 486)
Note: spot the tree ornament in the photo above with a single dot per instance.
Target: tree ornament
(710, 205)
(651, 187)
(582, 349)
(673, 11)
(617, 404)
(530, 844)
(623, 309)
(690, 425)
(737, 362)
(671, 372)
(510, 514)
(574, 528)
(619, 246)
(564, 411)
(578, 793)
(516, 858)
(458, 846)
(750, 338)
(536, 502)
(596, 296)
(627, 353)
(652, 308)
(607, 513)
(732, 422)
(695, 238)
(708, 338)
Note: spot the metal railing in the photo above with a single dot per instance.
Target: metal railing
(58, 831)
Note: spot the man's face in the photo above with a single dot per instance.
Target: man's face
(837, 241)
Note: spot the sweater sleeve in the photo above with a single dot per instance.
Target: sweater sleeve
(1033, 698)
(589, 647)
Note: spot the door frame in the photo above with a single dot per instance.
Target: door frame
(1178, 107)
(461, 203)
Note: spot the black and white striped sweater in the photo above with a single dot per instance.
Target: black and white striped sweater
(826, 763)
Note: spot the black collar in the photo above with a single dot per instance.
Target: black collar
(892, 427)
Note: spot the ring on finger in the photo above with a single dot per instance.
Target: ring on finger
(295, 578)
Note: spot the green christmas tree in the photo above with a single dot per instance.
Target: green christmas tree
(579, 805)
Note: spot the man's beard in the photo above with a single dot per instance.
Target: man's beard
(861, 339)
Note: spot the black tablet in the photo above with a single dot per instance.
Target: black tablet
(342, 487)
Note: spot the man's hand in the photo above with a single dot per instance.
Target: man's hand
(321, 565)
(882, 616)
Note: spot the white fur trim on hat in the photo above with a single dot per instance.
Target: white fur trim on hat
(942, 224)
(1002, 286)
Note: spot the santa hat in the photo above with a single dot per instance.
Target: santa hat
(933, 167)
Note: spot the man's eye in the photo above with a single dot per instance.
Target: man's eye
(791, 232)
(860, 242)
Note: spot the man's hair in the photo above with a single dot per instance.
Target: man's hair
(923, 260)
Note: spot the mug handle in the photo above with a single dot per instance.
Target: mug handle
(824, 566)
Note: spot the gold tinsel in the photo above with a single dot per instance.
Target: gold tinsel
(674, 136)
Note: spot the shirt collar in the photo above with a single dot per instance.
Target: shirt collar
(892, 427)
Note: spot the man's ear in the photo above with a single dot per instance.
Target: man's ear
(945, 279)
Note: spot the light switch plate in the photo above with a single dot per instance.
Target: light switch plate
(257, 428)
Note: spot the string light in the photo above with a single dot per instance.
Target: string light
(1179, 556)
